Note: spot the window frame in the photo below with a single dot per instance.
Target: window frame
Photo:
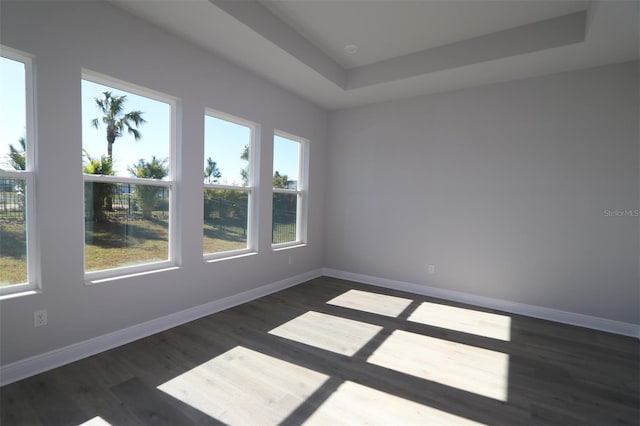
(170, 183)
(250, 189)
(301, 191)
(29, 175)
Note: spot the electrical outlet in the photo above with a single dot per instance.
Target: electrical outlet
(40, 318)
(290, 260)
(432, 269)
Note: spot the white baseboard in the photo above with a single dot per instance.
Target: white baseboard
(40, 363)
(596, 323)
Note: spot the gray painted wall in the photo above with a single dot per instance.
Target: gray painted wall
(503, 188)
(67, 36)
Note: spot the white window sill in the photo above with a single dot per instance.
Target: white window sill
(228, 255)
(7, 296)
(124, 273)
(287, 246)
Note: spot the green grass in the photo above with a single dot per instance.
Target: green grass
(13, 246)
(118, 243)
(220, 237)
(283, 233)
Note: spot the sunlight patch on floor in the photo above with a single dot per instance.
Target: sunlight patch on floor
(485, 324)
(481, 371)
(356, 404)
(335, 334)
(371, 302)
(243, 386)
(96, 421)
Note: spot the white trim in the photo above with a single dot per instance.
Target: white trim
(289, 136)
(230, 118)
(219, 187)
(128, 180)
(126, 86)
(58, 357)
(227, 254)
(285, 191)
(107, 275)
(565, 317)
(286, 246)
(15, 174)
(14, 54)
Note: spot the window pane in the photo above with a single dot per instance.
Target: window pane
(285, 208)
(127, 126)
(13, 114)
(225, 220)
(286, 163)
(132, 230)
(226, 152)
(13, 232)
(125, 134)
(13, 156)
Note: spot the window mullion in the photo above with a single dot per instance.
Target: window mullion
(129, 180)
(15, 174)
(227, 187)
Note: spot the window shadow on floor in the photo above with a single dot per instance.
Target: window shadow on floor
(334, 351)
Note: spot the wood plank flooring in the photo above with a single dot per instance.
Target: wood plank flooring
(332, 352)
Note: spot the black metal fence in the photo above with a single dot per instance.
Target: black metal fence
(12, 199)
(125, 201)
(226, 210)
(223, 209)
(283, 228)
(285, 206)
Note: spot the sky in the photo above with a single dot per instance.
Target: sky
(13, 123)
(156, 132)
(286, 154)
(224, 140)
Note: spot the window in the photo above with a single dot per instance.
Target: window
(17, 236)
(129, 177)
(228, 185)
(289, 186)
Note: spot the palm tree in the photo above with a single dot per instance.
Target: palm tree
(148, 195)
(16, 156)
(116, 120)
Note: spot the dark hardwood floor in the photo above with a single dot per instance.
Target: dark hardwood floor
(335, 352)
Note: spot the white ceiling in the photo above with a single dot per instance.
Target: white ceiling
(405, 48)
(387, 29)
